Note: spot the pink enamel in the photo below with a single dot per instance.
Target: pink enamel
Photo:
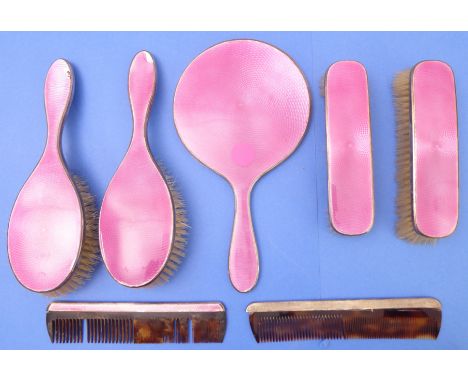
(349, 148)
(435, 149)
(241, 108)
(136, 225)
(46, 224)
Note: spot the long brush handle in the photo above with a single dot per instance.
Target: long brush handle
(243, 256)
(58, 92)
(141, 85)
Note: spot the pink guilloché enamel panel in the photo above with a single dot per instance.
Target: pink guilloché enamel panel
(349, 148)
(46, 225)
(435, 149)
(242, 107)
(136, 225)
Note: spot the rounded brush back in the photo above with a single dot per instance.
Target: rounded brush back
(427, 155)
(46, 226)
(435, 149)
(137, 220)
(349, 148)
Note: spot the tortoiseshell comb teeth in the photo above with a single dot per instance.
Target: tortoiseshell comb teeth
(121, 322)
(410, 318)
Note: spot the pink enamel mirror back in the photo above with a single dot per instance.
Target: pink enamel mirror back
(242, 107)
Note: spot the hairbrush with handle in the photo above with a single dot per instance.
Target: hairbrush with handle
(242, 107)
(427, 158)
(52, 233)
(142, 223)
(349, 148)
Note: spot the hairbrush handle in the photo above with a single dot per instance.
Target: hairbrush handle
(243, 255)
(58, 92)
(141, 86)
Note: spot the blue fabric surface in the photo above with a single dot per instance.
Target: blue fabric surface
(301, 257)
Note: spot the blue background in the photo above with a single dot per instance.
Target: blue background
(301, 257)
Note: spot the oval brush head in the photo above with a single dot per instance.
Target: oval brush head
(52, 233)
(427, 156)
(142, 223)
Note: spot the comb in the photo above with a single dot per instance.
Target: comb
(139, 323)
(406, 318)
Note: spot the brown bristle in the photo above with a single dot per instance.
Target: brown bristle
(180, 234)
(405, 226)
(88, 256)
(322, 85)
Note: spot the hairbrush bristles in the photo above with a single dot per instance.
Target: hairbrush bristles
(322, 85)
(405, 225)
(89, 256)
(180, 233)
